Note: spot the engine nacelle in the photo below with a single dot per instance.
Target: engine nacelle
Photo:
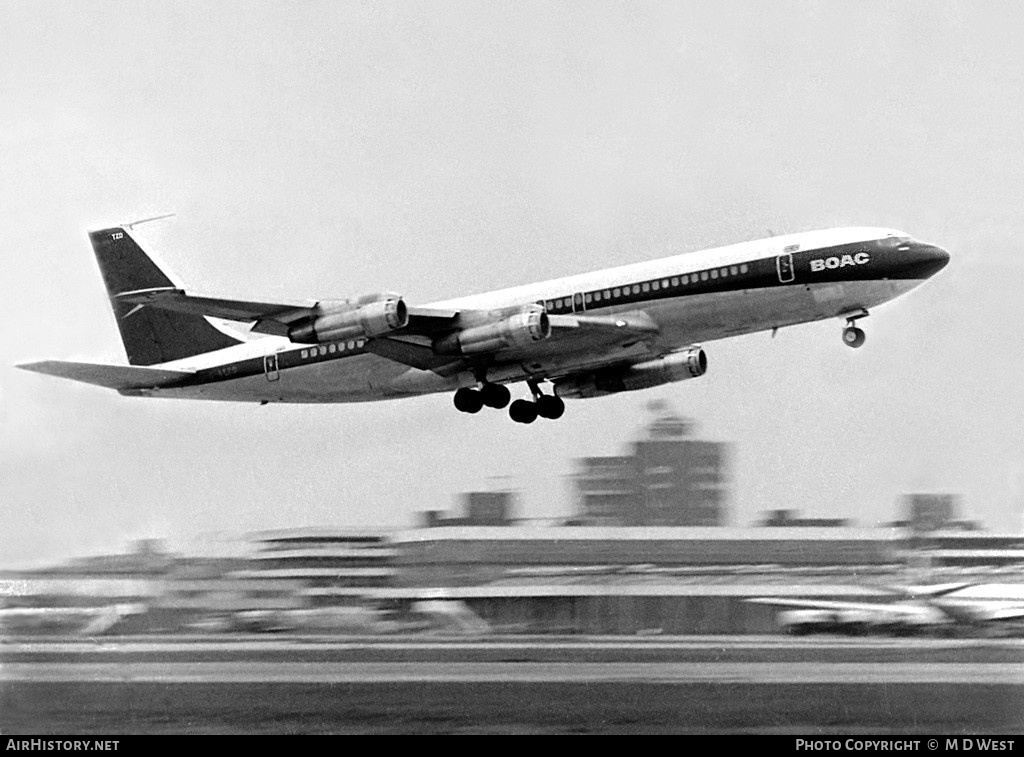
(677, 366)
(515, 331)
(363, 317)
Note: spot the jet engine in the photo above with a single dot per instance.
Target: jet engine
(676, 366)
(372, 315)
(518, 330)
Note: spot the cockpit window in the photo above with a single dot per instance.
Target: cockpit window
(893, 242)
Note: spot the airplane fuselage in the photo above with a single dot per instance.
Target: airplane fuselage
(691, 298)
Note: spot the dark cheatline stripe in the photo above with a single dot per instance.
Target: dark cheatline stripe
(858, 261)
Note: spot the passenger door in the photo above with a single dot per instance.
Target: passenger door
(784, 265)
(270, 367)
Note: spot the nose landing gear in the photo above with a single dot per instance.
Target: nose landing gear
(853, 336)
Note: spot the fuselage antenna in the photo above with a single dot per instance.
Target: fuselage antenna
(147, 220)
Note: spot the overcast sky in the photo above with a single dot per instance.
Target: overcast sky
(323, 150)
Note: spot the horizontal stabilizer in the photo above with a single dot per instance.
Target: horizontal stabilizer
(110, 376)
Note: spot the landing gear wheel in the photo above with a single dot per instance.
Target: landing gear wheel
(853, 336)
(523, 411)
(549, 406)
(495, 395)
(468, 400)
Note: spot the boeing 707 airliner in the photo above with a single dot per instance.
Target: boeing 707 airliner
(588, 335)
(942, 608)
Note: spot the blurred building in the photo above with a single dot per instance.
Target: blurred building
(930, 512)
(608, 491)
(670, 479)
(479, 509)
(464, 555)
(326, 566)
(88, 595)
(793, 519)
(969, 550)
(511, 579)
(309, 580)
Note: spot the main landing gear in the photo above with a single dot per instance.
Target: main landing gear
(468, 400)
(543, 406)
(472, 400)
(853, 336)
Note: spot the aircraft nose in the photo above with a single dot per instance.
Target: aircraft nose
(937, 258)
(926, 260)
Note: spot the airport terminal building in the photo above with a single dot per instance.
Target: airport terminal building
(648, 551)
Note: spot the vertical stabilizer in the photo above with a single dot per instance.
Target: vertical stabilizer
(150, 336)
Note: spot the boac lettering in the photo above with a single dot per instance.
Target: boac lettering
(820, 264)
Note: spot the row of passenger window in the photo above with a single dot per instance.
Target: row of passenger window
(332, 348)
(647, 286)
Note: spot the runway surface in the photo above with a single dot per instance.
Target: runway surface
(482, 672)
(568, 685)
(517, 649)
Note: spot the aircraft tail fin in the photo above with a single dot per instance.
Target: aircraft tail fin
(149, 335)
(120, 377)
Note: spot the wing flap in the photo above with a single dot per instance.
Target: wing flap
(415, 355)
(624, 336)
(109, 376)
(430, 321)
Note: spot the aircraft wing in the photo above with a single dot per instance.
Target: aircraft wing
(1004, 613)
(818, 604)
(979, 611)
(269, 317)
(877, 611)
(412, 344)
(570, 335)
